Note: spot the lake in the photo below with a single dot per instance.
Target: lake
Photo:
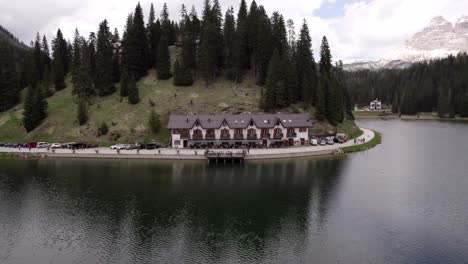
(405, 201)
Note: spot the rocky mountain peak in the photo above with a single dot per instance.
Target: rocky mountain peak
(439, 21)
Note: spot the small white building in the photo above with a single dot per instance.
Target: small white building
(187, 130)
(376, 105)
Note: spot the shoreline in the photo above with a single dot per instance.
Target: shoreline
(184, 154)
(376, 115)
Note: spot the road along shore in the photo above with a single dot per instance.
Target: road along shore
(186, 154)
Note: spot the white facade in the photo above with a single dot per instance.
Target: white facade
(298, 136)
(376, 105)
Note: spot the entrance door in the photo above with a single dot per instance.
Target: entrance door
(185, 144)
(291, 142)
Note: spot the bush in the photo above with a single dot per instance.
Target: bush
(103, 129)
(154, 122)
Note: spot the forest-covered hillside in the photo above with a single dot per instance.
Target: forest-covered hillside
(436, 86)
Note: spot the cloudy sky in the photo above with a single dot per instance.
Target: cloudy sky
(356, 29)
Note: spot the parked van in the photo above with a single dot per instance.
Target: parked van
(314, 142)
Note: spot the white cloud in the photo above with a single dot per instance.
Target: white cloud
(366, 30)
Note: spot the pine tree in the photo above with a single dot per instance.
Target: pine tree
(320, 99)
(28, 113)
(182, 75)
(104, 64)
(133, 94)
(218, 36)
(242, 43)
(166, 25)
(91, 51)
(163, 66)
(59, 50)
(124, 83)
(83, 83)
(116, 56)
(229, 44)
(279, 39)
(276, 94)
(464, 106)
(305, 65)
(46, 54)
(76, 60)
(135, 46)
(82, 111)
(253, 28)
(264, 49)
(8, 78)
(37, 62)
(153, 37)
(153, 122)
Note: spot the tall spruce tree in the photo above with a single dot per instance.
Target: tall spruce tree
(59, 51)
(305, 67)
(208, 46)
(264, 49)
(164, 61)
(253, 28)
(124, 83)
(104, 66)
(275, 94)
(229, 44)
(91, 51)
(135, 46)
(153, 37)
(133, 93)
(82, 111)
(242, 43)
(8, 78)
(116, 56)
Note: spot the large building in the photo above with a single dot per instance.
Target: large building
(376, 105)
(265, 129)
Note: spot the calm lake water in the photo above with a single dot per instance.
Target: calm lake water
(405, 201)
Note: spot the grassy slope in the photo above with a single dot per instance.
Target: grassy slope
(130, 120)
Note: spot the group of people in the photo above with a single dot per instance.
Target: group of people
(359, 141)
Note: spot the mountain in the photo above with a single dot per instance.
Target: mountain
(438, 40)
(8, 37)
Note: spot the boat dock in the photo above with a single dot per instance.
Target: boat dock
(225, 157)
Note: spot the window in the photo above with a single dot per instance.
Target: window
(251, 123)
(291, 130)
(252, 132)
(265, 131)
(238, 131)
(278, 131)
(302, 129)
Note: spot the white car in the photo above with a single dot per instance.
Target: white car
(42, 145)
(314, 142)
(330, 141)
(56, 146)
(120, 146)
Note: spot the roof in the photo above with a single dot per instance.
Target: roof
(239, 121)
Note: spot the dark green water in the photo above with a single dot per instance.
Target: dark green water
(405, 201)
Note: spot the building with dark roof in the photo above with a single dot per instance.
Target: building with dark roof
(190, 130)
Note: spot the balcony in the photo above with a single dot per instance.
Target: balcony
(225, 136)
(266, 136)
(278, 136)
(210, 136)
(292, 135)
(239, 136)
(252, 137)
(197, 137)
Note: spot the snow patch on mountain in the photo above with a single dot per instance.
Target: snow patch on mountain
(438, 40)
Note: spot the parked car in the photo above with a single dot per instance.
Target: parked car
(330, 141)
(42, 145)
(322, 142)
(150, 146)
(341, 138)
(314, 142)
(56, 145)
(32, 144)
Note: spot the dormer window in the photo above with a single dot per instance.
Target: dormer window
(224, 123)
(251, 123)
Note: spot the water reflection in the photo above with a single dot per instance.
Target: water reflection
(117, 211)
